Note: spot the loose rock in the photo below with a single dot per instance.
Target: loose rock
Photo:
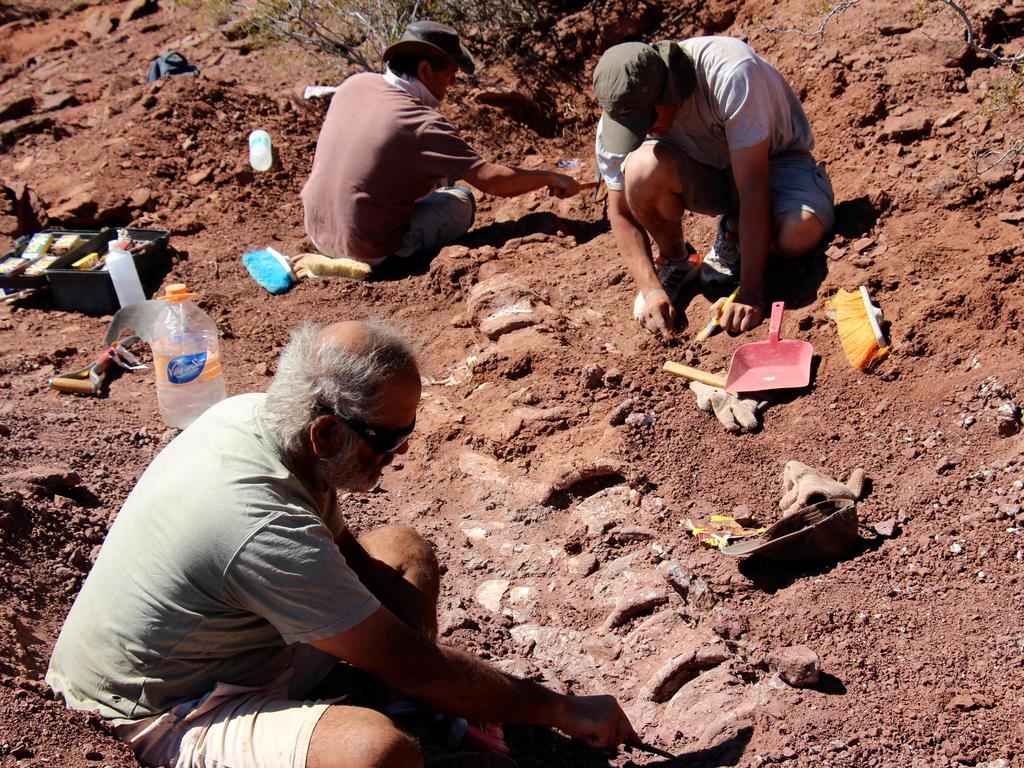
(490, 594)
(797, 665)
(592, 376)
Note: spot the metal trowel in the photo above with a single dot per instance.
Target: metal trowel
(138, 318)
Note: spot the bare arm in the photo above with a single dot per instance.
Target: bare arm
(506, 181)
(635, 248)
(750, 169)
(461, 684)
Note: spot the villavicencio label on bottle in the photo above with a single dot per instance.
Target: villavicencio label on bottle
(182, 370)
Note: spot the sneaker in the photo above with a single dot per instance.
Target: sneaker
(722, 263)
(674, 275)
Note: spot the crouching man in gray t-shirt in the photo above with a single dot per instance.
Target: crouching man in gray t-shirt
(229, 585)
(725, 135)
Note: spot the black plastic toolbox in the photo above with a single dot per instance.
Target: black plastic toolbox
(91, 291)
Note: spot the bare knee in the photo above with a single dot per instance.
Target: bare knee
(652, 181)
(798, 233)
(401, 548)
(353, 737)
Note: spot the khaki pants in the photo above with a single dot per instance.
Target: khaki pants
(440, 218)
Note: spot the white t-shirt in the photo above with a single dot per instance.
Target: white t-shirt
(739, 100)
(219, 558)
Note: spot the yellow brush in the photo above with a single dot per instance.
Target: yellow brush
(709, 329)
(323, 266)
(859, 323)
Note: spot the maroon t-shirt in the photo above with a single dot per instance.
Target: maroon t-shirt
(379, 151)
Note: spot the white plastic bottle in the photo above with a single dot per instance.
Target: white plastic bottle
(186, 358)
(122, 271)
(261, 156)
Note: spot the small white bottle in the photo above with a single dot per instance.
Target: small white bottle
(261, 156)
(121, 267)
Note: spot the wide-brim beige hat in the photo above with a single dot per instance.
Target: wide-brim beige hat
(435, 40)
(825, 531)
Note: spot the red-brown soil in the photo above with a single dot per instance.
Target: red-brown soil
(548, 517)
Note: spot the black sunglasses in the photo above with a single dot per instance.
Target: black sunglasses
(379, 439)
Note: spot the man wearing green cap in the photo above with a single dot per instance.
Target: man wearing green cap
(706, 125)
(386, 161)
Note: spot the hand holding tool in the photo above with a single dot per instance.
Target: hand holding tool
(649, 749)
(716, 321)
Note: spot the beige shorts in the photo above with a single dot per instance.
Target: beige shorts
(239, 726)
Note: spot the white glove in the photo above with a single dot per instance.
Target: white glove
(803, 485)
(737, 414)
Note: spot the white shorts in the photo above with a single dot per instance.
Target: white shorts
(239, 726)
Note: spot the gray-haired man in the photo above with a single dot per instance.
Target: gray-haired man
(725, 135)
(229, 584)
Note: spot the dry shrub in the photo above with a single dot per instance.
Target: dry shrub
(356, 32)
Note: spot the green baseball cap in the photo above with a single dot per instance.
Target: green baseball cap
(630, 80)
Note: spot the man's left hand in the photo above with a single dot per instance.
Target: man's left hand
(563, 186)
(740, 316)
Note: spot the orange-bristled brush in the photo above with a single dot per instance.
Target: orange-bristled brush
(859, 323)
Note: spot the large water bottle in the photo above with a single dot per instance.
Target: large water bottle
(261, 156)
(186, 357)
(123, 274)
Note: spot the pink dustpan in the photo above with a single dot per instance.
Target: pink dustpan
(771, 364)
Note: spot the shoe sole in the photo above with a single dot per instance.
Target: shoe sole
(677, 280)
(710, 275)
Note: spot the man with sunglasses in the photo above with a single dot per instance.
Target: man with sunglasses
(229, 585)
(706, 125)
(386, 161)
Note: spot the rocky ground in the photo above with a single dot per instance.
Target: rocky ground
(554, 463)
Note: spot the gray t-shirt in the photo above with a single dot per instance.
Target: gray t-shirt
(219, 558)
(739, 100)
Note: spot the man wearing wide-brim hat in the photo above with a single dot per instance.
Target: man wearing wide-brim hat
(706, 125)
(386, 161)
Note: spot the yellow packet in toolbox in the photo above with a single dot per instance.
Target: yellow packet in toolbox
(88, 261)
(65, 243)
(37, 246)
(13, 265)
(41, 265)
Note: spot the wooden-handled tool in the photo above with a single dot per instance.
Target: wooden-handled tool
(694, 374)
(89, 380)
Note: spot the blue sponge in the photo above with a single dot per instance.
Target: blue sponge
(269, 269)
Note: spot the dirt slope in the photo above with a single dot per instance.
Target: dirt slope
(554, 463)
